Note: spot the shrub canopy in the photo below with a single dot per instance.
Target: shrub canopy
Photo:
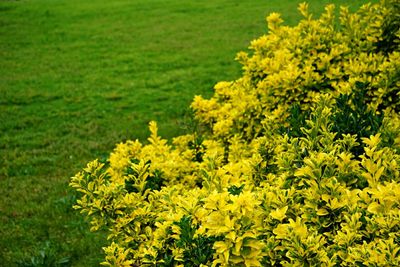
(296, 163)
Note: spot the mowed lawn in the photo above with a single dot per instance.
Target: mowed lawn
(78, 77)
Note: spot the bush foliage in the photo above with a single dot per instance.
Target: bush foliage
(297, 162)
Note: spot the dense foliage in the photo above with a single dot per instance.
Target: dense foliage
(300, 164)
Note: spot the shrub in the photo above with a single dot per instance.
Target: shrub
(299, 166)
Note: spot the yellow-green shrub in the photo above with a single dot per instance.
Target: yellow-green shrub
(292, 65)
(301, 165)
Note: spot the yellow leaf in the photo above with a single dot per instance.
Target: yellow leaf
(238, 246)
(322, 212)
(231, 235)
(220, 247)
(280, 231)
(279, 214)
(304, 171)
(374, 208)
(372, 141)
(299, 228)
(334, 204)
(378, 173)
(254, 243)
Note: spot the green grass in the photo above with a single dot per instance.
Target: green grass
(77, 77)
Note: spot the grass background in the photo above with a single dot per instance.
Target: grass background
(79, 76)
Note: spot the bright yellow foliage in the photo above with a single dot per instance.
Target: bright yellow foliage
(300, 165)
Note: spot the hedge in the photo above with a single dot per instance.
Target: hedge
(295, 163)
